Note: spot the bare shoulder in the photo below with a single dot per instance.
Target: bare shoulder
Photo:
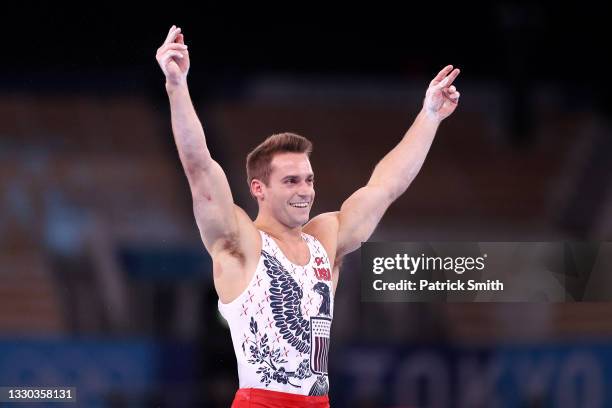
(325, 227)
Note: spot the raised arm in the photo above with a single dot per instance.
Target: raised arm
(362, 211)
(212, 199)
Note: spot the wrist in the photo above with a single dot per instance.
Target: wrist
(430, 116)
(176, 86)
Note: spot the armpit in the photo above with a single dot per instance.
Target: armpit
(231, 246)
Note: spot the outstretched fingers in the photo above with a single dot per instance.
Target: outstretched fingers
(441, 75)
(174, 31)
(448, 80)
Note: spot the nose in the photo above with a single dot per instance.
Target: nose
(305, 190)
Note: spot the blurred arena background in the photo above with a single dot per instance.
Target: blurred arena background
(105, 285)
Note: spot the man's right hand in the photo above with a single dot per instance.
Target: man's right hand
(173, 58)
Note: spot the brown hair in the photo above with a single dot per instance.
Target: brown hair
(259, 161)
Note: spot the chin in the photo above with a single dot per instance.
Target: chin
(298, 222)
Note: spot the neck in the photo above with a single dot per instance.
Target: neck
(281, 232)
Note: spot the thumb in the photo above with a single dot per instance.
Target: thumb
(180, 39)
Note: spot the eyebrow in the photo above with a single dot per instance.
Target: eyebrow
(310, 175)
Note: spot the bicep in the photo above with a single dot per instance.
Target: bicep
(213, 207)
(359, 216)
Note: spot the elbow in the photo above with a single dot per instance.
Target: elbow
(387, 192)
(393, 189)
(196, 167)
(390, 187)
(394, 194)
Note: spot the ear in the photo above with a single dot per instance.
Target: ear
(258, 189)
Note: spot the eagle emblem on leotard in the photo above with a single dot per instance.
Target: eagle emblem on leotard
(285, 301)
(305, 335)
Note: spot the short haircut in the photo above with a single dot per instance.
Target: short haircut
(259, 160)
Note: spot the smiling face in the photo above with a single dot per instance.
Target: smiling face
(289, 193)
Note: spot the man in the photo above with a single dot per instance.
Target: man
(276, 276)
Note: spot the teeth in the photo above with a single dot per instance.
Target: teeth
(299, 205)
